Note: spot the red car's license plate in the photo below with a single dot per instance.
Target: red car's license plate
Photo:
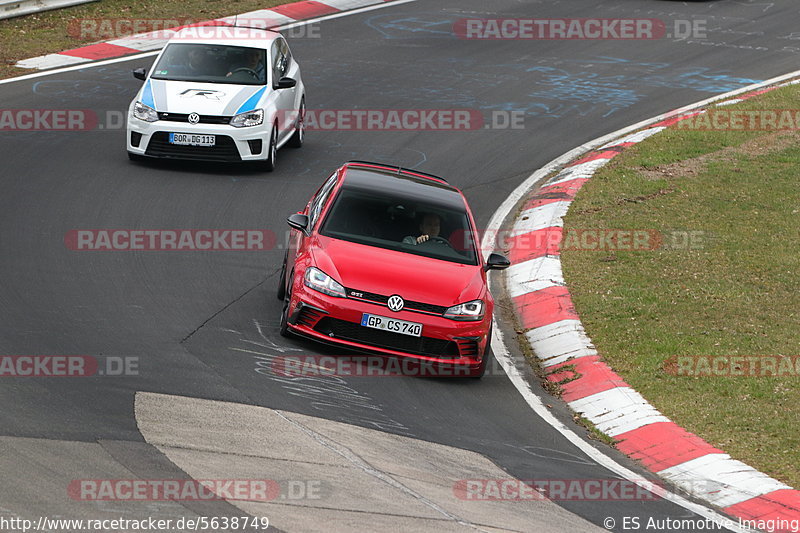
(391, 324)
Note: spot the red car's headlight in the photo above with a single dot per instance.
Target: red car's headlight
(467, 311)
(320, 281)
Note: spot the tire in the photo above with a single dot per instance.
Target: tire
(284, 325)
(299, 134)
(135, 157)
(487, 355)
(272, 151)
(281, 293)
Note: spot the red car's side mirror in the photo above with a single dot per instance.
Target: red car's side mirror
(497, 262)
(298, 221)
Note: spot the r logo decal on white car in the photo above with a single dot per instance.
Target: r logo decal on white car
(208, 93)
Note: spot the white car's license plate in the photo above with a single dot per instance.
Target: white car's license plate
(391, 324)
(191, 139)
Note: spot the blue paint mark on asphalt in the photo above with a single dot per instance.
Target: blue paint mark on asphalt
(405, 27)
(584, 87)
(79, 89)
(102, 84)
(559, 87)
(619, 91)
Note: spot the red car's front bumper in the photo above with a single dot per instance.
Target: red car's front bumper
(444, 343)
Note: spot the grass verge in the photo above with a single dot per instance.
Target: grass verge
(733, 291)
(53, 31)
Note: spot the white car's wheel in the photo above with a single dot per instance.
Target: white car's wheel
(299, 134)
(272, 151)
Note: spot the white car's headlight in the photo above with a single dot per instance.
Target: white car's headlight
(467, 311)
(320, 281)
(245, 120)
(143, 112)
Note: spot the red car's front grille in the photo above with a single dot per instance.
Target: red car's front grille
(382, 300)
(342, 329)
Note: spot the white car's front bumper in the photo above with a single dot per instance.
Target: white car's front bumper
(232, 144)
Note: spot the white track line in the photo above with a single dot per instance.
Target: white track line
(155, 52)
(502, 353)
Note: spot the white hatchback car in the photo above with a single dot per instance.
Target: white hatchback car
(218, 93)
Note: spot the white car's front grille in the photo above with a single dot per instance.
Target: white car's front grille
(184, 117)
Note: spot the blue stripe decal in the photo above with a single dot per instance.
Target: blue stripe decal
(147, 95)
(252, 102)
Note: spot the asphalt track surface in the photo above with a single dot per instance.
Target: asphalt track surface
(200, 322)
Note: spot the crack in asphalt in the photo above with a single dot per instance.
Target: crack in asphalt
(368, 469)
(223, 308)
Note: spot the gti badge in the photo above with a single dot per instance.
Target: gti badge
(193, 118)
(396, 303)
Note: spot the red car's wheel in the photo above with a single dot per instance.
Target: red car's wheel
(284, 325)
(281, 292)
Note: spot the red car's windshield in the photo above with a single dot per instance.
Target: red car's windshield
(405, 225)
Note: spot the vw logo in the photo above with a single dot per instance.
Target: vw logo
(194, 118)
(395, 303)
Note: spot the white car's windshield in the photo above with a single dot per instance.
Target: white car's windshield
(212, 63)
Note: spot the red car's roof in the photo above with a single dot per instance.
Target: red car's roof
(402, 184)
(393, 168)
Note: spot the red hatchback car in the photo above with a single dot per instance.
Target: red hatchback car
(384, 259)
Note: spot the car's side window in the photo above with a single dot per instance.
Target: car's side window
(276, 59)
(319, 200)
(287, 55)
(280, 59)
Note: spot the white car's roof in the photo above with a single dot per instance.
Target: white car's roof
(226, 35)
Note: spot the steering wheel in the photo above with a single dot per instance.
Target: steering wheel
(250, 71)
(440, 240)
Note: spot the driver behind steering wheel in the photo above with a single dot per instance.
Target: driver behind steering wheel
(429, 227)
(251, 64)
